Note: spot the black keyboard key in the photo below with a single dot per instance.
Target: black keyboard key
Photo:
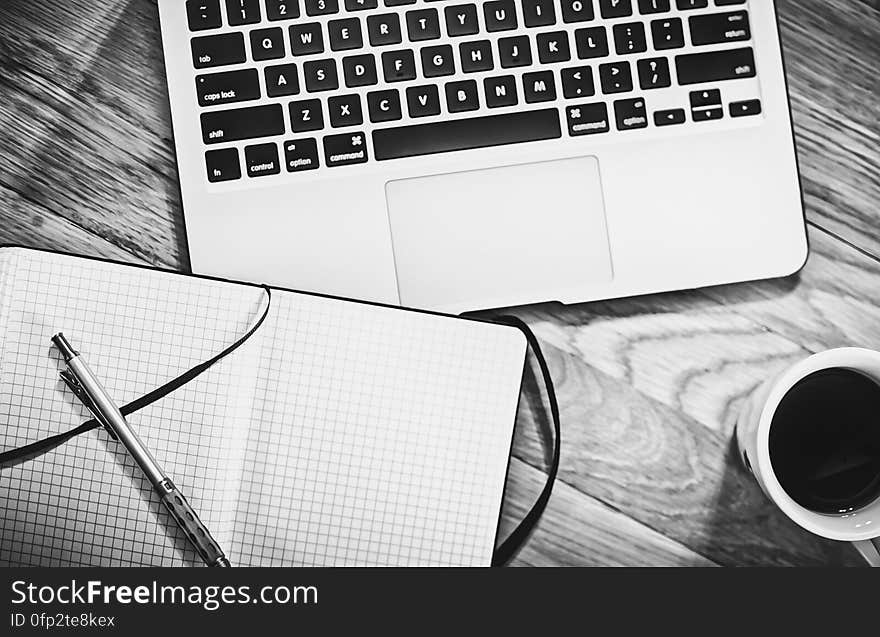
(301, 154)
(707, 114)
(587, 119)
(515, 51)
(630, 114)
(577, 11)
(461, 20)
(577, 81)
(345, 110)
(384, 106)
(240, 12)
(654, 6)
(667, 34)
(306, 115)
(223, 164)
(500, 15)
(281, 80)
(539, 86)
(553, 47)
(345, 34)
(716, 28)
(261, 159)
(282, 9)
(715, 66)
(591, 42)
(538, 13)
(630, 38)
(745, 108)
(398, 3)
(615, 77)
(462, 96)
(727, 3)
(465, 134)
(384, 29)
(709, 97)
(654, 73)
(615, 8)
(306, 39)
(684, 5)
(218, 50)
(399, 66)
(669, 117)
(361, 5)
(228, 87)
(359, 70)
(320, 75)
(204, 14)
(423, 24)
(476, 56)
(267, 44)
(500, 91)
(345, 150)
(423, 101)
(437, 61)
(321, 7)
(242, 123)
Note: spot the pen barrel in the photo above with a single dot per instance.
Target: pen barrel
(186, 518)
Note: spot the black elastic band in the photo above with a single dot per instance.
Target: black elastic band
(34, 449)
(520, 534)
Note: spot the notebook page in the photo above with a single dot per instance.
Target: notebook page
(380, 437)
(86, 502)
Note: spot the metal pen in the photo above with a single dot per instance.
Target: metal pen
(83, 382)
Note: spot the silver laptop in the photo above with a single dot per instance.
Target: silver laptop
(456, 155)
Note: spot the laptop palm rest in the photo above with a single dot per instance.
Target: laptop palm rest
(499, 236)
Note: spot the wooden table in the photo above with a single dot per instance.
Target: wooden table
(649, 387)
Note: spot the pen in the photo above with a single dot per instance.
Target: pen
(83, 382)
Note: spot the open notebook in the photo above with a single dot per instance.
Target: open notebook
(341, 433)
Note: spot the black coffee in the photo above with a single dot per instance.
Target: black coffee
(825, 441)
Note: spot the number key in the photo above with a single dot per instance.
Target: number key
(243, 12)
(203, 14)
(282, 9)
(321, 7)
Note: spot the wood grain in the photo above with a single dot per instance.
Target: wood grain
(649, 387)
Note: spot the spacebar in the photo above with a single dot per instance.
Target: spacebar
(464, 134)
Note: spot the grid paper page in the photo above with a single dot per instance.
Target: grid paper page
(340, 434)
(86, 502)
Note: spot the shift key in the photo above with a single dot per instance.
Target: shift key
(715, 66)
(242, 123)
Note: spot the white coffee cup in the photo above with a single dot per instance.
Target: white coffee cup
(861, 527)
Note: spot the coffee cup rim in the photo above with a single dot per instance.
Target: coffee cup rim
(865, 523)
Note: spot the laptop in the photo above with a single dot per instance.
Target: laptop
(455, 155)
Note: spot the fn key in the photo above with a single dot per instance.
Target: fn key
(222, 165)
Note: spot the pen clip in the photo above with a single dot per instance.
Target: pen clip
(71, 381)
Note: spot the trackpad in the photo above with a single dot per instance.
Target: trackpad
(499, 236)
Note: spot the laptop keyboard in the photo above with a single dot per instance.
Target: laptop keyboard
(345, 82)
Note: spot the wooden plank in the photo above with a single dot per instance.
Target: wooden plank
(577, 530)
(832, 55)
(84, 92)
(30, 225)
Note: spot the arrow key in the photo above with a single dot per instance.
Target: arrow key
(577, 81)
(670, 117)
